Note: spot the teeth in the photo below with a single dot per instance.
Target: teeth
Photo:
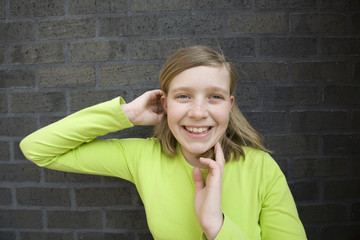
(197, 130)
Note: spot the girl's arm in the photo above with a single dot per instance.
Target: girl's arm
(69, 144)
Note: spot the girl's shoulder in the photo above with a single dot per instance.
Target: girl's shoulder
(256, 158)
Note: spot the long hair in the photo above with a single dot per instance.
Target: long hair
(238, 133)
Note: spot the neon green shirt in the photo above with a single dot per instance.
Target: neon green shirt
(256, 200)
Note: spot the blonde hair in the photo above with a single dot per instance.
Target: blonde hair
(238, 133)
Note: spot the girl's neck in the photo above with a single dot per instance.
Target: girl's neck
(193, 159)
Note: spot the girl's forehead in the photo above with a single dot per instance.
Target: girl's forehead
(200, 77)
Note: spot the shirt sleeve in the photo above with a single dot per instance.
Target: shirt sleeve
(69, 145)
(279, 218)
(229, 231)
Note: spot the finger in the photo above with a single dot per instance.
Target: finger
(219, 154)
(198, 181)
(214, 167)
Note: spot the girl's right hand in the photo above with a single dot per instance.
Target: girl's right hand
(145, 109)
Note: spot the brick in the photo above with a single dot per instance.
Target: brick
(305, 191)
(318, 120)
(351, 232)
(311, 233)
(16, 31)
(223, 4)
(66, 77)
(30, 196)
(17, 78)
(19, 173)
(7, 235)
(2, 9)
(20, 219)
(36, 53)
(355, 212)
(106, 236)
(318, 23)
(145, 236)
(320, 71)
(65, 29)
(246, 96)
(129, 74)
(155, 49)
(356, 67)
(17, 126)
(36, 8)
(6, 198)
(97, 51)
(292, 144)
(232, 48)
(290, 96)
(265, 122)
(261, 71)
(138, 132)
(74, 219)
(83, 98)
(38, 102)
(287, 4)
(325, 213)
(336, 5)
(18, 155)
(334, 190)
(118, 181)
(283, 164)
(96, 6)
(4, 151)
(129, 26)
(288, 47)
(342, 95)
(3, 103)
(256, 23)
(45, 236)
(127, 219)
(320, 167)
(340, 46)
(52, 176)
(355, 170)
(2, 55)
(86, 197)
(46, 120)
(355, 24)
(192, 24)
(157, 5)
(355, 120)
(342, 144)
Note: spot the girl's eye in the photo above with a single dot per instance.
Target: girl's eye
(216, 97)
(182, 97)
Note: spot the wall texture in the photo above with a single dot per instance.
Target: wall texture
(299, 85)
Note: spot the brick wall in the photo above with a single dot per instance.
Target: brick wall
(299, 85)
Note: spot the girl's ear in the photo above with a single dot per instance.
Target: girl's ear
(232, 100)
(164, 102)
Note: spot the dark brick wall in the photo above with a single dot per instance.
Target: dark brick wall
(299, 85)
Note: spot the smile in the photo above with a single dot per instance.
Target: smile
(197, 129)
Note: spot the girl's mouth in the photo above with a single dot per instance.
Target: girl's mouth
(197, 130)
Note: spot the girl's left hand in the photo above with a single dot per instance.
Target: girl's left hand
(208, 198)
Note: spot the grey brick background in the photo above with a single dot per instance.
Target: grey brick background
(299, 85)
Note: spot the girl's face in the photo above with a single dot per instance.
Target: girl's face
(198, 105)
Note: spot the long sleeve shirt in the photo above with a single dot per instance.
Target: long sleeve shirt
(256, 200)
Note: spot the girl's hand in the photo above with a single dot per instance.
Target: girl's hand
(145, 109)
(208, 198)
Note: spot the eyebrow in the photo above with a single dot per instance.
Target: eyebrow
(210, 89)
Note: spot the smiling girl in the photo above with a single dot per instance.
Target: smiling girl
(204, 175)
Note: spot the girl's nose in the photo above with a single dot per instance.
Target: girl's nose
(198, 110)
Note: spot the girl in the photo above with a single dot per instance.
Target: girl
(204, 175)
